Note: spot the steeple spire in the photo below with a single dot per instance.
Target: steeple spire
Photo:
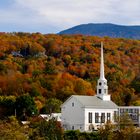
(102, 76)
(102, 88)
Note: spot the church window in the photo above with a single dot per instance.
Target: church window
(115, 116)
(130, 110)
(108, 116)
(100, 83)
(136, 110)
(121, 110)
(104, 90)
(131, 116)
(126, 110)
(89, 117)
(72, 127)
(100, 91)
(102, 117)
(72, 104)
(96, 117)
(134, 117)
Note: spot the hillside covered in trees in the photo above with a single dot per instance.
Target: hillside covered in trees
(41, 67)
(105, 29)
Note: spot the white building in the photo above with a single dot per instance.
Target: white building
(86, 113)
(47, 117)
(133, 112)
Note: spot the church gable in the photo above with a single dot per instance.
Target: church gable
(71, 101)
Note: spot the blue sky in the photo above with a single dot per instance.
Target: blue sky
(52, 16)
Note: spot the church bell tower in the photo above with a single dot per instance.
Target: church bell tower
(102, 88)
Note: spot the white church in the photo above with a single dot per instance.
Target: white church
(87, 113)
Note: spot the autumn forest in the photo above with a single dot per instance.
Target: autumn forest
(57, 66)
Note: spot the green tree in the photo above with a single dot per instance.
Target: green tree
(7, 105)
(3, 68)
(53, 105)
(106, 131)
(36, 73)
(50, 68)
(34, 91)
(136, 84)
(71, 135)
(125, 127)
(46, 130)
(10, 129)
(25, 105)
(77, 135)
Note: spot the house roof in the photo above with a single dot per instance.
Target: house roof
(95, 102)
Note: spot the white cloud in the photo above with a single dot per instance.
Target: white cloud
(68, 12)
(60, 14)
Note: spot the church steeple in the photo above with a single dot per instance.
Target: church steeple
(102, 88)
(102, 75)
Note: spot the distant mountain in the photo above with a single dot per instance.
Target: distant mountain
(105, 29)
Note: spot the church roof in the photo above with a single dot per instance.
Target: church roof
(95, 102)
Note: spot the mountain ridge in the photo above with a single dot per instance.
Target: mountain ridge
(105, 29)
